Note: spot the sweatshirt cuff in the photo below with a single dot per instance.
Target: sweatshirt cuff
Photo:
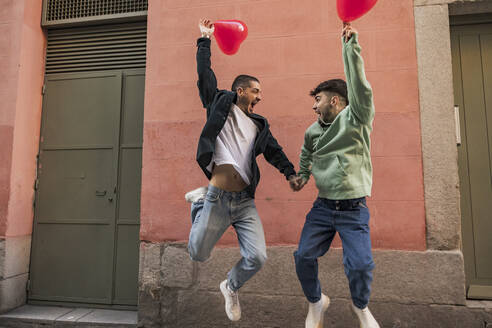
(289, 173)
(305, 176)
(354, 39)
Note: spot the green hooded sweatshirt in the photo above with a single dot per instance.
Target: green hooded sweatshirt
(338, 155)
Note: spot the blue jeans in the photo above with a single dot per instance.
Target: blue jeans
(351, 219)
(212, 216)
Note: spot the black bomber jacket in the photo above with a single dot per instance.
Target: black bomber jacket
(218, 104)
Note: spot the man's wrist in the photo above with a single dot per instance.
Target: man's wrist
(206, 31)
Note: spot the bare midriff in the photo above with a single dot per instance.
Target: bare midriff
(226, 177)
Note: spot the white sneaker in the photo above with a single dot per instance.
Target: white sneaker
(316, 312)
(232, 307)
(196, 195)
(365, 317)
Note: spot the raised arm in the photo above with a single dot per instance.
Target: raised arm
(207, 83)
(360, 97)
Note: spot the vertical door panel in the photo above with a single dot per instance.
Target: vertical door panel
(130, 176)
(130, 181)
(483, 221)
(126, 277)
(132, 114)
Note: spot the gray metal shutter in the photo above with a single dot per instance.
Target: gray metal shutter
(96, 48)
(74, 12)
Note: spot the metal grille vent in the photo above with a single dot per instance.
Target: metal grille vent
(59, 12)
(104, 47)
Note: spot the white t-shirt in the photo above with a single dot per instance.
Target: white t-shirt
(235, 143)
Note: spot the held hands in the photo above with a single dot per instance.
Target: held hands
(348, 31)
(296, 183)
(206, 28)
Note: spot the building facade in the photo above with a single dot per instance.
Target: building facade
(100, 121)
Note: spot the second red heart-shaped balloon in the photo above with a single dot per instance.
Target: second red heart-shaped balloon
(229, 35)
(350, 10)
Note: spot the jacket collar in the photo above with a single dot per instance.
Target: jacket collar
(259, 120)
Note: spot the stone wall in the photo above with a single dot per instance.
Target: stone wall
(176, 292)
(14, 268)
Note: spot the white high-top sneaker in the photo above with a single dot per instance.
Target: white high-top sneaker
(232, 307)
(365, 317)
(316, 312)
(195, 195)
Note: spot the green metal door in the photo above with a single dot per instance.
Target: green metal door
(85, 238)
(472, 70)
(128, 191)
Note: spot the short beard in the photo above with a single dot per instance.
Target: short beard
(323, 121)
(329, 117)
(244, 106)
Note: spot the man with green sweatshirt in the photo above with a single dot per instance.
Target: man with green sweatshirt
(336, 152)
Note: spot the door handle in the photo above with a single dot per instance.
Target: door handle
(457, 124)
(101, 193)
(110, 199)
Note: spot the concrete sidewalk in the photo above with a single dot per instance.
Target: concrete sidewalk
(33, 316)
(476, 314)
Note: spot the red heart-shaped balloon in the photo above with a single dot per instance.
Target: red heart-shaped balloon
(229, 35)
(350, 10)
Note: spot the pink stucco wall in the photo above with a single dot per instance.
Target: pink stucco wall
(291, 47)
(22, 46)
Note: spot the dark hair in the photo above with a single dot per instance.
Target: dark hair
(243, 81)
(337, 86)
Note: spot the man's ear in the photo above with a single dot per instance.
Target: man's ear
(240, 91)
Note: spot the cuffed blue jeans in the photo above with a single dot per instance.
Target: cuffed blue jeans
(350, 218)
(212, 216)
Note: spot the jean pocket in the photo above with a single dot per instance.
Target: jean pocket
(358, 204)
(212, 196)
(361, 204)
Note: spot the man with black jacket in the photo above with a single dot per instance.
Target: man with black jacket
(230, 141)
